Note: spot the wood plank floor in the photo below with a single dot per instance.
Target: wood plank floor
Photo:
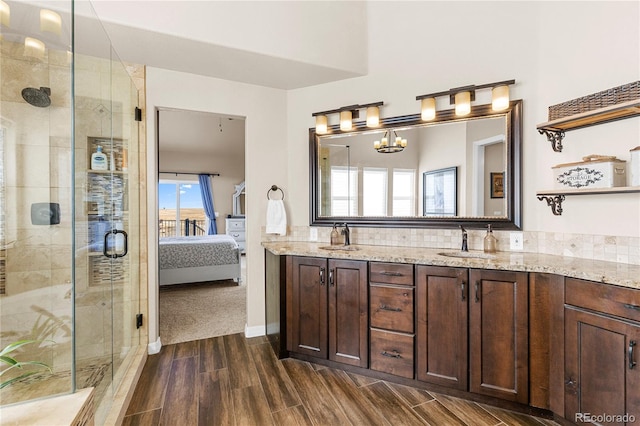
(230, 380)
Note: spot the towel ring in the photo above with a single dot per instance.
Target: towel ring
(275, 188)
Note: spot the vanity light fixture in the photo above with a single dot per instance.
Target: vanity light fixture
(373, 116)
(383, 146)
(428, 110)
(500, 97)
(462, 101)
(50, 21)
(321, 124)
(462, 97)
(5, 14)
(345, 120)
(347, 115)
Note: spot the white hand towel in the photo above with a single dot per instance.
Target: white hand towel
(276, 217)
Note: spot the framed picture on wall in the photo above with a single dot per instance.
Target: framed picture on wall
(497, 185)
(440, 192)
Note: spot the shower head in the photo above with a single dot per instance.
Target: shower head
(37, 97)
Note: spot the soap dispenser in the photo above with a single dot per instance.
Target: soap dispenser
(490, 242)
(99, 160)
(335, 236)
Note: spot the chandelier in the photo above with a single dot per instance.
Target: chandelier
(383, 146)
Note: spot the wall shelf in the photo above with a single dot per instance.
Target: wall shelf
(555, 130)
(555, 197)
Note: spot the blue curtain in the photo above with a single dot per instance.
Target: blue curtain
(207, 203)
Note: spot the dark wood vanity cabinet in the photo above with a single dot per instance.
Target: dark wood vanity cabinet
(486, 310)
(602, 365)
(556, 343)
(391, 311)
(499, 334)
(327, 309)
(442, 313)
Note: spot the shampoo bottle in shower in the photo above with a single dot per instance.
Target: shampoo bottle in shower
(490, 241)
(99, 160)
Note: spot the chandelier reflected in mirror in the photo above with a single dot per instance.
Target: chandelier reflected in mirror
(383, 146)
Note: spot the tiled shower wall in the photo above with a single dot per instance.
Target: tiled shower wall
(599, 247)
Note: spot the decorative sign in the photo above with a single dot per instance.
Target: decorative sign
(579, 177)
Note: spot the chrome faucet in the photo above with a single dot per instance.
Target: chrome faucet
(464, 247)
(347, 235)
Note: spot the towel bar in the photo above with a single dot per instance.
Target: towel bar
(275, 188)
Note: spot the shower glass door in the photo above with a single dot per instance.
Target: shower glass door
(107, 226)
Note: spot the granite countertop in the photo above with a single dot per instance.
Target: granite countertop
(622, 274)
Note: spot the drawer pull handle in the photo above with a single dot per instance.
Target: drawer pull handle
(321, 276)
(388, 308)
(630, 306)
(331, 277)
(395, 354)
(632, 363)
(391, 274)
(462, 284)
(477, 291)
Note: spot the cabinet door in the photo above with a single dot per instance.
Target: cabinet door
(600, 377)
(348, 307)
(308, 302)
(442, 325)
(498, 334)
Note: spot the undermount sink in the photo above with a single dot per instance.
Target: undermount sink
(340, 248)
(467, 255)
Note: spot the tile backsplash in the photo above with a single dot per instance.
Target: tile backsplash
(599, 247)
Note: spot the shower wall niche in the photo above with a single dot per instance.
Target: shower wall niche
(78, 305)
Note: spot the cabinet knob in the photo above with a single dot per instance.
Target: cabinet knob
(572, 385)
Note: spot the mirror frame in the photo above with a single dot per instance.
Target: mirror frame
(513, 190)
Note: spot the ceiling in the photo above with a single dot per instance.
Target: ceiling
(204, 133)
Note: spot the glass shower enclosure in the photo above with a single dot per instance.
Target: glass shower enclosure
(70, 230)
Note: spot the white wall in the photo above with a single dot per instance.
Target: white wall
(556, 51)
(265, 164)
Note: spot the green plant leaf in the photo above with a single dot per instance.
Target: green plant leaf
(15, 379)
(8, 360)
(15, 345)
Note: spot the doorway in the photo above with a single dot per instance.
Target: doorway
(193, 145)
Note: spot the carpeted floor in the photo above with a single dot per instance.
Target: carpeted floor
(199, 311)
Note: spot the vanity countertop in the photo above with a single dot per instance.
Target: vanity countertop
(622, 274)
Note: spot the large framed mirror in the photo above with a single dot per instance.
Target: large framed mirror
(453, 171)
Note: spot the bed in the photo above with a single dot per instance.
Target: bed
(198, 258)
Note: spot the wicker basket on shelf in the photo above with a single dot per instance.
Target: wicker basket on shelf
(616, 95)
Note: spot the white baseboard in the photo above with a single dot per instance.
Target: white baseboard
(154, 347)
(255, 331)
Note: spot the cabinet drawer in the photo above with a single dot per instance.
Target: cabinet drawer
(392, 353)
(391, 273)
(238, 236)
(605, 298)
(391, 308)
(235, 225)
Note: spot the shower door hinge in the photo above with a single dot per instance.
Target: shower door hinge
(138, 114)
(138, 320)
